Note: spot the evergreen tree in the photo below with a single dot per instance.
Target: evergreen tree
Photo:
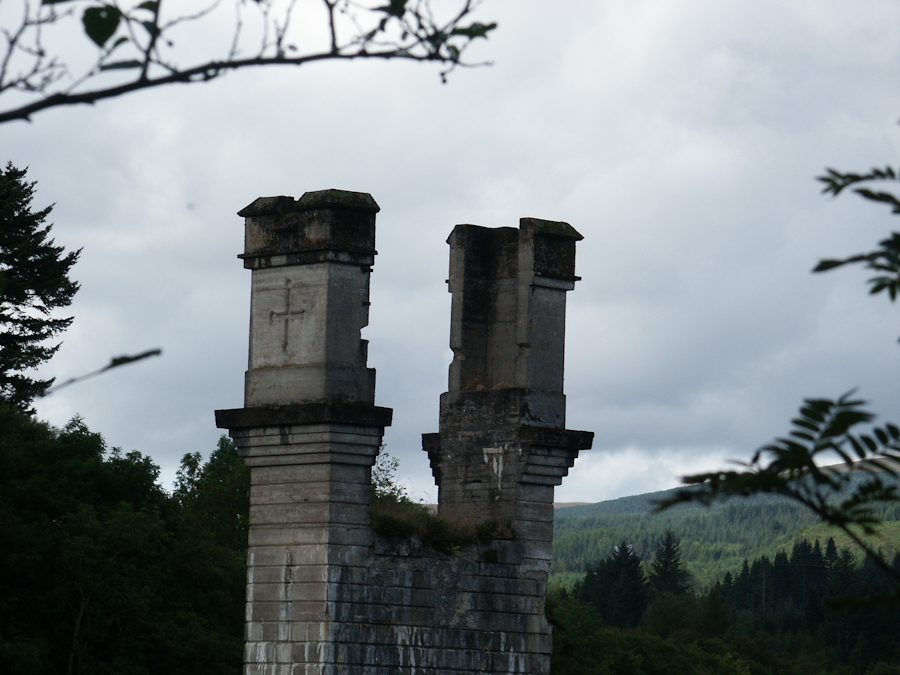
(34, 280)
(617, 587)
(831, 553)
(727, 585)
(667, 570)
(741, 591)
(782, 579)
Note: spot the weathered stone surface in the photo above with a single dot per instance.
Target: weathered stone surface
(503, 416)
(325, 594)
(305, 323)
(309, 298)
(508, 314)
(329, 225)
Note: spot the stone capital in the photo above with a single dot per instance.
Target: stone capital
(323, 226)
(318, 412)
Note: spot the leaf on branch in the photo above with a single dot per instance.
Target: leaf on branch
(395, 8)
(100, 23)
(121, 65)
(476, 30)
(417, 36)
(788, 467)
(122, 360)
(836, 181)
(843, 420)
(825, 265)
(151, 28)
(886, 197)
(437, 39)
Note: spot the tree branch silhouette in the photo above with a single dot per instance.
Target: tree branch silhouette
(144, 45)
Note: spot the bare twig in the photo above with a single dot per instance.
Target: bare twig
(135, 41)
(116, 362)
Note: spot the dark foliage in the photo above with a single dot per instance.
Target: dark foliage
(102, 571)
(797, 613)
(34, 281)
(584, 645)
(616, 587)
(668, 574)
(790, 467)
(814, 601)
(884, 261)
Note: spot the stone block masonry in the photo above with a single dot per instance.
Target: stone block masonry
(325, 594)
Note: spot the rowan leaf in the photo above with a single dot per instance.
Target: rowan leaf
(100, 23)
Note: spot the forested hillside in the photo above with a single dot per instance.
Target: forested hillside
(812, 610)
(714, 540)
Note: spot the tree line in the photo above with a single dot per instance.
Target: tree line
(716, 539)
(103, 571)
(807, 610)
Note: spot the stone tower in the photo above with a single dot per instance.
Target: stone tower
(326, 595)
(309, 429)
(502, 445)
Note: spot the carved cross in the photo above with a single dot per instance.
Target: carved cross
(287, 314)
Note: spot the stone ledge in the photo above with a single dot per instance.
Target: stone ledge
(261, 260)
(319, 412)
(550, 437)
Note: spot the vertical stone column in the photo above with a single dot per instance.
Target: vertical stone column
(502, 445)
(309, 429)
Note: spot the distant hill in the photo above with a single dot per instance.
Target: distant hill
(714, 540)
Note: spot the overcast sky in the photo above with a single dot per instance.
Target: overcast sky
(681, 138)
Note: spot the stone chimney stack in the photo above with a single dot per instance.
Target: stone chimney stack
(311, 259)
(326, 594)
(502, 445)
(309, 429)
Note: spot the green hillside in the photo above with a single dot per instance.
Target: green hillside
(714, 540)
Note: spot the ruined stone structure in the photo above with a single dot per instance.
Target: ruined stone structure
(325, 594)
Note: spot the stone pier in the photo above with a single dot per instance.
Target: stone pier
(326, 595)
(309, 429)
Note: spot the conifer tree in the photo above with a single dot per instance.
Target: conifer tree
(831, 553)
(629, 587)
(617, 587)
(34, 280)
(667, 571)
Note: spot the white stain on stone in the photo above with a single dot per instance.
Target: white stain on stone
(407, 642)
(494, 457)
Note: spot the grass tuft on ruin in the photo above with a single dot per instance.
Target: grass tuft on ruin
(398, 518)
